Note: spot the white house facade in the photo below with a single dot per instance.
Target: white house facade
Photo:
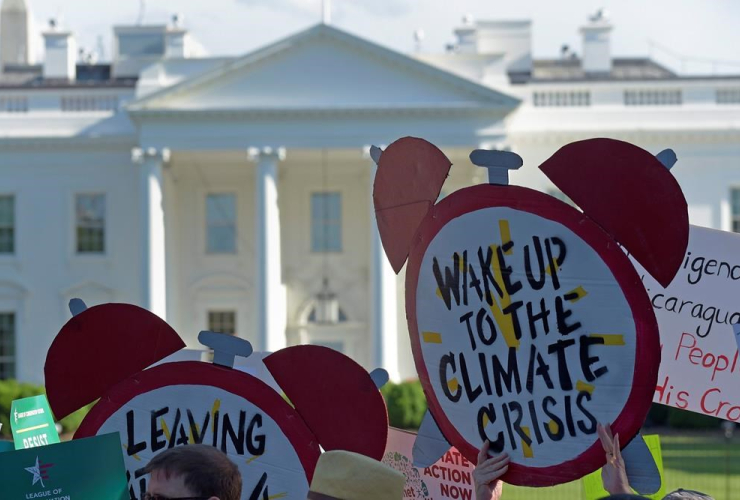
(234, 194)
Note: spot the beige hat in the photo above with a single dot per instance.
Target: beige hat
(345, 475)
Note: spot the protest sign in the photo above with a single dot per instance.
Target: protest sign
(531, 336)
(75, 470)
(177, 404)
(528, 324)
(593, 485)
(32, 423)
(274, 445)
(450, 478)
(696, 314)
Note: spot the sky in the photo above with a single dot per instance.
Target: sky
(704, 29)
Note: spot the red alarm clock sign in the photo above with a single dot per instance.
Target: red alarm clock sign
(176, 404)
(528, 327)
(336, 404)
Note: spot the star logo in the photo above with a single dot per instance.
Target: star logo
(40, 472)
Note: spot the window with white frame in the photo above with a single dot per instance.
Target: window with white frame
(326, 222)
(90, 223)
(729, 95)
(735, 206)
(7, 345)
(222, 322)
(562, 98)
(7, 224)
(221, 223)
(653, 97)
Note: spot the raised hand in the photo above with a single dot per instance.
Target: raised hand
(487, 473)
(614, 472)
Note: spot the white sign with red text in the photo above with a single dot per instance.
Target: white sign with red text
(700, 369)
(449, 478)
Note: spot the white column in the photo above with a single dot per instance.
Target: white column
(383, 298)
(154, 284)
(271, 297)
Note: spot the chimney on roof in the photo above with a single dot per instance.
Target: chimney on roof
(15, 33)
(510, 39)
(597, 57)
(60, 58)
(175, 38)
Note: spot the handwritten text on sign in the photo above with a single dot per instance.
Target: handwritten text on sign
(700, 365)
(181, 414)
(451, 477)
(526, 335)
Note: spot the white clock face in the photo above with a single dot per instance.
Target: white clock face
(527, 338)
(178, 415)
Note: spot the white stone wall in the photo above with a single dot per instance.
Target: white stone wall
(45, 272)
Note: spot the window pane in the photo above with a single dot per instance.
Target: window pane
(222, 322)
(141, 44)
(326, 222)
(7, 224)
(7, 345)
(221, 223)
(90, 215)
(735, 201)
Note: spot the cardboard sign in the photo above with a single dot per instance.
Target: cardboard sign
(528, 326)
(593, 485)
(176, 404)
(32, 423)
(75, 470)
(450, 478)
(696, 314)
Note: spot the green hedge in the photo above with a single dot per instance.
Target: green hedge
(406, 404)
(668, 416)
(11, 390)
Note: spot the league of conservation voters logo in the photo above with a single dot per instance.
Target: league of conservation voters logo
(40, 472)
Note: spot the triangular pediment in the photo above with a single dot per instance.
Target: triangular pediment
(324, 68)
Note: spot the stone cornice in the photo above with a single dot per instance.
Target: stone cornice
(701, 136)
(461, 109)
(67, 143)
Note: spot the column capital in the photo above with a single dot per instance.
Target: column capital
(257, 153)
(139, 155)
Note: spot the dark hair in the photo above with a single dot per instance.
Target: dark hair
(205, 470)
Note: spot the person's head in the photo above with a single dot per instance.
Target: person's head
(194, 471)
(681, 494)
(350, 476)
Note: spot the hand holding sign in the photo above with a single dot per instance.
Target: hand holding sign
(614, 473)
(487, 474)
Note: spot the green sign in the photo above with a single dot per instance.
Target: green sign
(75, 470)
(32, 423)
(592, 483)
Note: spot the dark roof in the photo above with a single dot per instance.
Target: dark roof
(570, 70)
(88, 75)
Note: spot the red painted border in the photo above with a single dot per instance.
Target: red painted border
(647, 349)
(197, 373)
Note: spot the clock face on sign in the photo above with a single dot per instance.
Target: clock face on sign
(176, 404)
(528, 326)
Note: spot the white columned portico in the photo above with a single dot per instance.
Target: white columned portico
(154, 283)
(383, 296)
(271, 293)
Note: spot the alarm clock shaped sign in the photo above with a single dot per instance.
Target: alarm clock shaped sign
(528, 323)
(335, 402)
